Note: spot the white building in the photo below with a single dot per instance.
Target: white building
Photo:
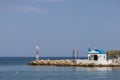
(97, 56)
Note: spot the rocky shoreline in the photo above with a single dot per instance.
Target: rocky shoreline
(68, 63)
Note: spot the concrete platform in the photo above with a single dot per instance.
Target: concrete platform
(70, 63)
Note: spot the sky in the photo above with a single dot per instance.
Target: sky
(58, 26)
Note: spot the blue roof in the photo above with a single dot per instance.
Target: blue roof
(96, 51)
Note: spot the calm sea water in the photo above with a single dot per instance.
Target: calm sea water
(16, 68)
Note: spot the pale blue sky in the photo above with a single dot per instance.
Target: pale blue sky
(58, 26)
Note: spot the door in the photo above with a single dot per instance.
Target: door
(95, 57)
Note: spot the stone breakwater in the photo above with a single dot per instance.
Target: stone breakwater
(68, 63)
(52, 62)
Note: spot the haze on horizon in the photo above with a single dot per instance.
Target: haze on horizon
(58, 26)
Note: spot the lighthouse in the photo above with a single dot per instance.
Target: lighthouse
(37, 52)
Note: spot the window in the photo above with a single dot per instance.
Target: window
(104, 56)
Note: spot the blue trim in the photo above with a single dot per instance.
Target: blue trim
(97, 50)
(100, 51)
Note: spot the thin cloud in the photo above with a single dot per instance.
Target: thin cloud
(31, 9)
(53, 1)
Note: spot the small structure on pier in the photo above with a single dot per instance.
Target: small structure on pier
(75, 54)
(98, 56)
(37, 52)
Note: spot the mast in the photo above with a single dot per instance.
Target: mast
(37, 52)
(75, 54)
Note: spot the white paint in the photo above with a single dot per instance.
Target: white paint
(37, 47)
(102, 58)
(93, 51)
(37, 57)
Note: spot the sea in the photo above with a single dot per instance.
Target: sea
(17, 68)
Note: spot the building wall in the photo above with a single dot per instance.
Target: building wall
(102, 58)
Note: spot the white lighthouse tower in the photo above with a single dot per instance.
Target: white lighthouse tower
(37, 52)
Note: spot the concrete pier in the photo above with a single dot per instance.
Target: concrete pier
(70, 63)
